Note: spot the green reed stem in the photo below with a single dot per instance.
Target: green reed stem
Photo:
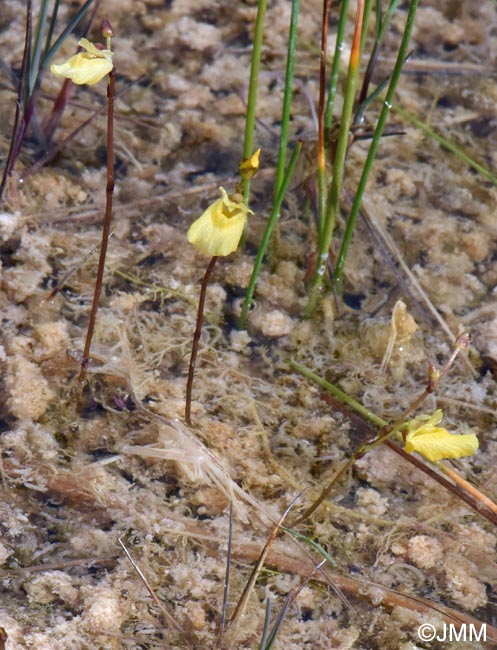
(335, 68)
(37, 46)
(387, 105)
(273, 218)
(51, 28)
(322, 135)
(52, 49)
(325, 236)
(382, 23)
(255, 66)
(368, 5)
(287, 95)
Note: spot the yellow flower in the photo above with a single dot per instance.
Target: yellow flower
(219, 229)
(249, 166)
(88, 67)
(436, 443)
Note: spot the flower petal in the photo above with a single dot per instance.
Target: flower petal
(93, 51)
(82, 70)
(218, 231)
(438, 443)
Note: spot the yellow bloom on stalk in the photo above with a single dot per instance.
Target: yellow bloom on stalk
(218, 231)
(436, 443)
(88, 67)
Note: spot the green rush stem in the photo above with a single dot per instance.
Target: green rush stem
(51, 27)
(273, 218)
(34, 68)
(447, 144)
(335, 68)
(321, 153)
(255, 66)
(109, 192)
(326, 234)
(387, 104)
(196, 339)
(71, 25)
(287, 95)
(372, 58)
(380, 28)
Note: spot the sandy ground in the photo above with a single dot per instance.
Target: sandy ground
(125, 465)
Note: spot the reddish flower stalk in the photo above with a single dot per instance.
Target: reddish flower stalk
(109, 192)
(196, 339)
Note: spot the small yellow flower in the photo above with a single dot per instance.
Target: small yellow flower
(88, 67)
(219, 229)
(249, 166)
(436, 443)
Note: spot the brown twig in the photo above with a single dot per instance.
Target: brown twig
(196, 339)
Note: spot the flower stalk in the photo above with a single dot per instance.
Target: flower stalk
(196, 339)
(217, 232)
(109, 194)
(90, 67)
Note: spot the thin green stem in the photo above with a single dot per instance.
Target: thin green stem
(338, 164)
(368, 5)
(321, 153)
(36, 57)
(273, 218)
(248, 145)
(335, 68)
(51, 28)
(287, 95)
(380, 28)
(71, 25)
(387, 105)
